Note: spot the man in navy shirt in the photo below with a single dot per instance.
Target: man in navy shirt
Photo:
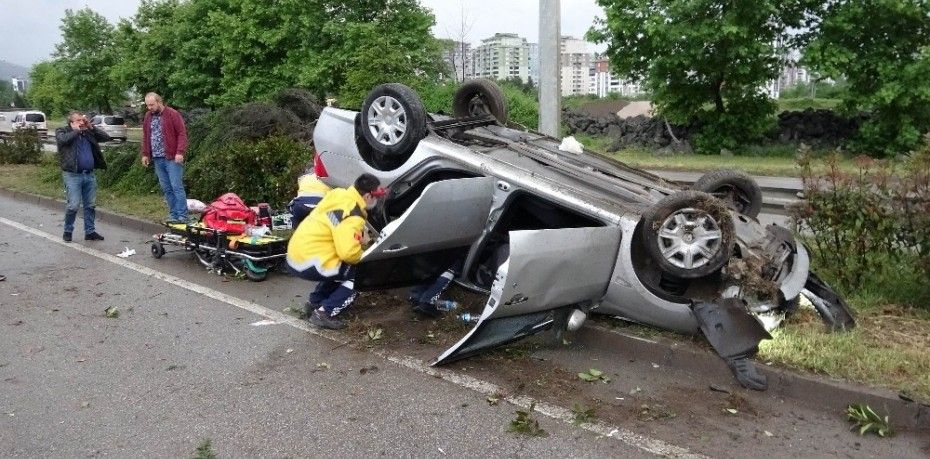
(79, 154)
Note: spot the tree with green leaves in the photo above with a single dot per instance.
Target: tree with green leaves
(86, 55)
(705, 62)
(6, 94)
(48, 88)
(882, 48)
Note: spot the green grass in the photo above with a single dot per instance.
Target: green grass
(758, 160)
(806, 102)
(888, 348)
(44, 180)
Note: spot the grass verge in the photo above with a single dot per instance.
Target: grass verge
(45, 180)
(777, 160)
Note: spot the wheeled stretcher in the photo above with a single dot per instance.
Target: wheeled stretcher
(221, 253)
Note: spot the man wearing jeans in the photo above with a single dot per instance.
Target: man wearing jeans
(164, 142)
(79, 154)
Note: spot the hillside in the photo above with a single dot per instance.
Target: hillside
(8, 70)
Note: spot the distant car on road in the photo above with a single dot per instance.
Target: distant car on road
(114, 126)
(11, 121)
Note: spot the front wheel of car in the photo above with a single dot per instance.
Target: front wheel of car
(393, 120)
(689, 234)
(736, 188)
(480, 97)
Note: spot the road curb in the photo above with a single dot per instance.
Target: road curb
(103, 215)
(808, 389)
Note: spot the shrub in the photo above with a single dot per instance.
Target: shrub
(125, 173)
(258, 170)
(22, 147)
(871, 229)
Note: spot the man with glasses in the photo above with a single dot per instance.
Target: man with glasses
(79, 154)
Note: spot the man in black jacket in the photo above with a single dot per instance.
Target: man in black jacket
(79, 153)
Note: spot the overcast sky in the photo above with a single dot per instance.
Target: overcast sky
(30, 27)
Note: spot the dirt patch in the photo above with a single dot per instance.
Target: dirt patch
(603, 108)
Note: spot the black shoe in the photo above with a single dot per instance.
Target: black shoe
(66, 237)
(308, 310)
(95, 236)
(323, 320)
(747, 374)
(427, 310)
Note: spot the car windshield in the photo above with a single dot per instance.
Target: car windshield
(113, 120)
(35, 117)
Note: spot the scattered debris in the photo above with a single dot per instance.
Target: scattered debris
(768, 434)
(288, 351)
(594, 375)
(323, 365)
(264, 322)
(720, 389)
(866, 420)
(494, 399)
(111, 312)
(655, 412)
(655, 365)
(526, 425)
(175, 367)
(85, 405)
(126, 253)
(636, 390)
(731, 410)
(582, 415)
(205, 450)
(370, 369)
(374, 334)
(292, 312)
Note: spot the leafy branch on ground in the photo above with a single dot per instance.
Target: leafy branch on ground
(526, 425)
(582, 414)
(866, 421)
(594, 375)
(205, 450)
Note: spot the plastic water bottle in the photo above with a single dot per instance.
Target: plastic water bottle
(469, 318)
(446, 305)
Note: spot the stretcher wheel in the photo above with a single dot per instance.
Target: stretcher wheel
(254, 272)
(157, 249)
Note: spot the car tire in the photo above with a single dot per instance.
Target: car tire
(372, 157)
(737, 189)
(480, 97)
(393, 120)
(689, 234)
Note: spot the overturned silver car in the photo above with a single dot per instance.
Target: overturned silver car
(552, 236)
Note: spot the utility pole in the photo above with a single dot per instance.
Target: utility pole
(550, 51)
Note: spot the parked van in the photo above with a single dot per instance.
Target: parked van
(11, 121)
(113, 125)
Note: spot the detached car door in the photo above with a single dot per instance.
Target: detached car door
(546, 270)
(431, 235)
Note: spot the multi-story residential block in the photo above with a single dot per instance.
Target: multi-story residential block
(19, 85)
(503, 56)
(576, 65)
(605, 82)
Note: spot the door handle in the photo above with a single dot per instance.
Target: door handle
(395, 249)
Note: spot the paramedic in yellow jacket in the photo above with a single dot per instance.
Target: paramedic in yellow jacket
(310, 191)
(327, 245)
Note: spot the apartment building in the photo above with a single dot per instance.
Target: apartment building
(503, 56)
(457, 57)
(605, 82)
(576, 64)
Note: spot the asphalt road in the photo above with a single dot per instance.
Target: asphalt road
(178, 367)
(188, 359)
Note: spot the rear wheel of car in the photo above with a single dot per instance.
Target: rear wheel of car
(689, 234)
(480, 97)
(393, 120)
(737, 189)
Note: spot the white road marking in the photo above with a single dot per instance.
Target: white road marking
(486, 388)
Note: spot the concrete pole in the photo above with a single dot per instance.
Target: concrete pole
(550, 69)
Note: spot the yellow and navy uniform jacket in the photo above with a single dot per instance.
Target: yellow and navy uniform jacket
(331, 235)
(308, 185)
